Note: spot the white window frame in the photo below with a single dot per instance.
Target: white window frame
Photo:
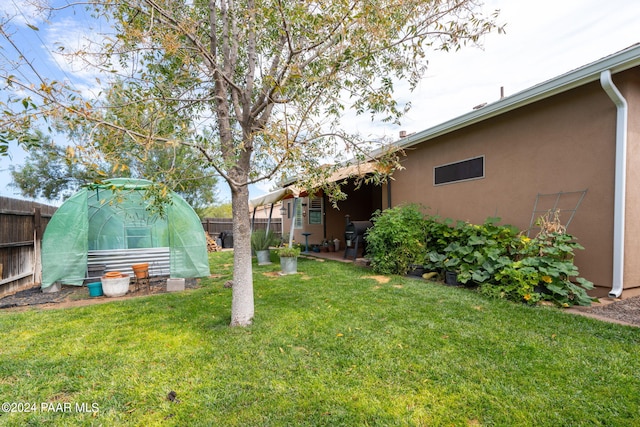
(298, 219)
(315, 205)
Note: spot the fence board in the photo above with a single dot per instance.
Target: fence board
(21, 226)
(215, 226)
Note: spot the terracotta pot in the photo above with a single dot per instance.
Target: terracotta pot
(112, 275)
(141, 270)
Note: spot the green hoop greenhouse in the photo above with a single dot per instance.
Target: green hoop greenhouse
(108, 227)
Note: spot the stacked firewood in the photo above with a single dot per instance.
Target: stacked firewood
(212, 246)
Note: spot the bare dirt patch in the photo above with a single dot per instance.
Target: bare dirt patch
(271, 274)
(78, 296)
(380, 279)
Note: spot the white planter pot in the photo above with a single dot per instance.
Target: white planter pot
(264, 257)
(115, 287)
(289, 265)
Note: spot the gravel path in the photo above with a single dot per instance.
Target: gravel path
(626, 311)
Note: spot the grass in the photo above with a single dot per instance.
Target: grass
(330, 346)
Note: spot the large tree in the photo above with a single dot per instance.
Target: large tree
(48, 173)
(258, 87)
(54, 172)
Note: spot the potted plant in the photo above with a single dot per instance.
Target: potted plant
(289, 259)
(260, 243)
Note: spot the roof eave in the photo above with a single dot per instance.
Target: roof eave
(616, 63)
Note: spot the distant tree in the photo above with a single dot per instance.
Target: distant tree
(53, 172)
(216, 211)
(48, 173)
(256, 88)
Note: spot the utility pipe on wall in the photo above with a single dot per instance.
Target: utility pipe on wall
(620, 182)
(296, 200)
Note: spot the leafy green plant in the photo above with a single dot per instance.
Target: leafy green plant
(261, 240)
(516, 282)
(397, 239)
(289, 252)
(543, 269)
(475, 252)
(507, 264)
(488, 248)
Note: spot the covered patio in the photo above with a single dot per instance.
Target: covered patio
(309, 215)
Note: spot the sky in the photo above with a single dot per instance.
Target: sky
(544, 39)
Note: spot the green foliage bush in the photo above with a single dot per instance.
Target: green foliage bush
(261, 240)
(475, 252)
(397, 239)
(289, 251)
(498, 259)
(543, 269)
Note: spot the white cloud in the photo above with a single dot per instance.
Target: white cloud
(544, 39)
(21, 12)
(70, 44)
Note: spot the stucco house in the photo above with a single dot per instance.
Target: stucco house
(571, 143)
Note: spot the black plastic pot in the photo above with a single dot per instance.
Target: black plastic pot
(415, 270)
(451, 278)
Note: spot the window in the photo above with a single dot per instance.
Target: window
(138, 237)
(459, 171)
(315, 211)
(297, 214)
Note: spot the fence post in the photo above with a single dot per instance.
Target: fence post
(37, 245)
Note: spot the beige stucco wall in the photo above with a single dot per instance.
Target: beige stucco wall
(566, 143)
(629, 84)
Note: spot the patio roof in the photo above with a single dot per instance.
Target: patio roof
(274, 196)
(350, 171)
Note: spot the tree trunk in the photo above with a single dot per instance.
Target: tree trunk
(242, 308)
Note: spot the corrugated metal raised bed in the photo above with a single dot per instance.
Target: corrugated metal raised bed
(122, 259)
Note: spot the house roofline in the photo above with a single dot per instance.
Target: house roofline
(618, 62)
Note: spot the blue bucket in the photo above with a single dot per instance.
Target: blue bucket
(95, 289)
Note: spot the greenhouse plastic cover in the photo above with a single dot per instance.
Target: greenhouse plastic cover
(113, 216)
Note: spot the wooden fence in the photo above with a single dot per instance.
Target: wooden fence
(22, 224)
(222, 227)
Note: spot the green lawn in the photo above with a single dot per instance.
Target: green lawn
(330, 346)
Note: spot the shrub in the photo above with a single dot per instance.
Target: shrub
(475, 252)
(507, 264)
(502, 261)
(261, 240)
(543, 269)
(397, 239)
(289, 252)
